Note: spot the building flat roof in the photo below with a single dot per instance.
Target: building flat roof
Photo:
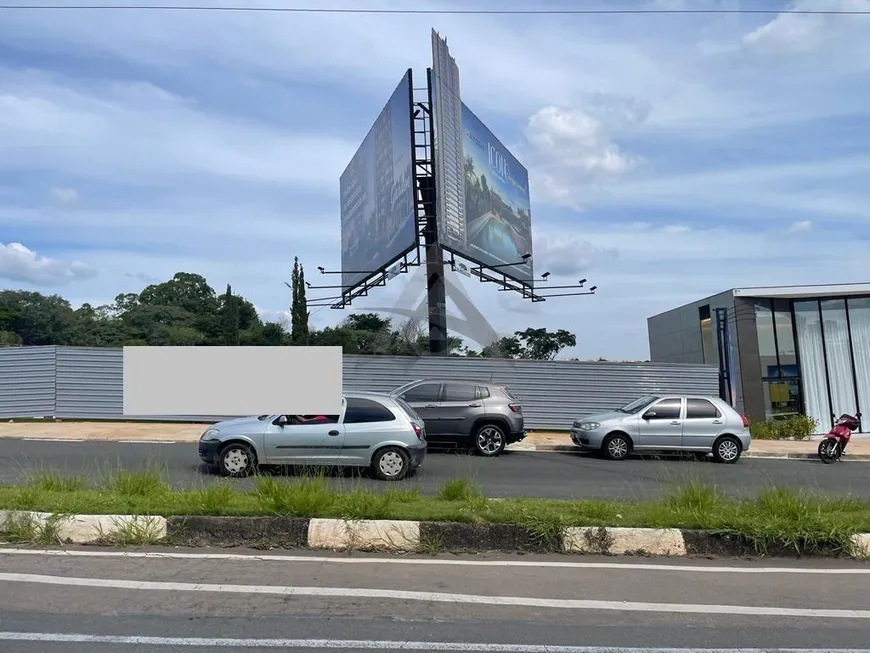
(786, 292)
(819, 290)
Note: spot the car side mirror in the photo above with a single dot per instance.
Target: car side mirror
(282, 420)
(649, 414)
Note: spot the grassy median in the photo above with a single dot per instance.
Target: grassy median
(774, 517)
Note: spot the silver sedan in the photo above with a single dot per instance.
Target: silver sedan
(698, 424)
(373, 430)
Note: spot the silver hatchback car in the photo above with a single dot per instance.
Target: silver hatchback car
(373, 430)
(694, 423)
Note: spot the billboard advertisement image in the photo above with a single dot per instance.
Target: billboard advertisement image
(377, 193)
(497, 214)
(483, 206)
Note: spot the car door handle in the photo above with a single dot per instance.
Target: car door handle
(717, 421)
(676, 422)
(474, 405)
(430, 406)
(334, 433)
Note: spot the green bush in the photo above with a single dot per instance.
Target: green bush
(793, 427)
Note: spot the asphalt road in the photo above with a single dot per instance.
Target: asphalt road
(551, 475)
(98, 601)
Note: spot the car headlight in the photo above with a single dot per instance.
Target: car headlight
(210, 434)
(589, 426)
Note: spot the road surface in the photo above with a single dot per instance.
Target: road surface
(97, 600)
(551, 475)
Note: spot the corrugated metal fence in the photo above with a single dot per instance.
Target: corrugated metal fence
(87, 382)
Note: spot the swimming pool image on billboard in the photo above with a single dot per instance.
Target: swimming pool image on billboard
(377, 193)
(497, 205)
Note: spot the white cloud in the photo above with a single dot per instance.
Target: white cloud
(564, 255)
(64, 196)
(20, 264)
(140, 133)
(800, 226)
(572, 151)
(791, 33)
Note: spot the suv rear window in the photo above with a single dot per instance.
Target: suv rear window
(508, 392)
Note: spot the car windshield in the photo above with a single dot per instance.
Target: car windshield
(637, 405)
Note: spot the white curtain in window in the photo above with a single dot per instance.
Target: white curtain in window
(839, 355)
(859, 317)
(812, 361)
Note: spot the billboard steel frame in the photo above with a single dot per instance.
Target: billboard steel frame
(426, 187)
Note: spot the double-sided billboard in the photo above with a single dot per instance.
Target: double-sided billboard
(378, 224)
(483, 205)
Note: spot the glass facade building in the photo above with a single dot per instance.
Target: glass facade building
(801, 350)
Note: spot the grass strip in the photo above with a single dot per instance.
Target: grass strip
(775, 517)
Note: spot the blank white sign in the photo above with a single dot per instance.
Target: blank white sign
(232, 381)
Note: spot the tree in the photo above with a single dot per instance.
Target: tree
(229, 318)
(9, 338)
(300, 334)
(540, 344)
(37, 319)
(505, 347)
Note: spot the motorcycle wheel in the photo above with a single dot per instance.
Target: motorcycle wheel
(829, 451)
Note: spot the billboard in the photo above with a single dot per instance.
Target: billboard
(483, 205)
(497, 210)
(378, 224)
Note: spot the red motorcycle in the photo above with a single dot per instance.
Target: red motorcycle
(834, 443)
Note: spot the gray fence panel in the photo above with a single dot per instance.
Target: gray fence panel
(553, 393)
(27, 381)
(89, 382)
(90, 385)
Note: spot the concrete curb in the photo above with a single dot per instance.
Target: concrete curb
(392, 536)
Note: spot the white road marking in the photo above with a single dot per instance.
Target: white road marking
(384, 645)
(145, 441)
(438, 597)
(52, 440)
(159, 555)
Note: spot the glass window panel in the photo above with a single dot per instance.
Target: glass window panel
(782, 397)
(839, 356)
(766, 342)
(812, 361)
(785, 337)
(859, 318)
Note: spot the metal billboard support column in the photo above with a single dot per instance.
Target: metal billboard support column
(436, 289)
(723, 340)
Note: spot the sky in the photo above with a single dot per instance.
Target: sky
(670, 157)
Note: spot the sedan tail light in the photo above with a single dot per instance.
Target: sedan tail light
(418, 431)
(517, 408)
(745, 421)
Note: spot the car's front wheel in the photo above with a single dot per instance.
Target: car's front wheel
(391, 464)
(237, 460)
(616, 447)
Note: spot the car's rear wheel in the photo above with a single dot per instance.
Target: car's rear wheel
(237, 460)
(391, 464)
(489, 440)
(727, 450)
(616, 447)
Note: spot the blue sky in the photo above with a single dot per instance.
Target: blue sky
(669, 157)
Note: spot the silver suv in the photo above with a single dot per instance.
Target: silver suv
(485, 415)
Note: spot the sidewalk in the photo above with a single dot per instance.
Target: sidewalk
(859, 448)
